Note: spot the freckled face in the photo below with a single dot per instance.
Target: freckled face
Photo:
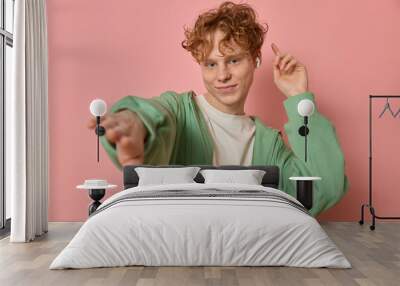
(228, 77)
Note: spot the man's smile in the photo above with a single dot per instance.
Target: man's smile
(226, 88)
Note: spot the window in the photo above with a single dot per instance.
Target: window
(6, 62)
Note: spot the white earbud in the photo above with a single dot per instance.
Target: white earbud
(258, 62)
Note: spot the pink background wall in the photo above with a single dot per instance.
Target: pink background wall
(109, 49)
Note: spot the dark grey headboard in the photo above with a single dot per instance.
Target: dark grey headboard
(270, 179)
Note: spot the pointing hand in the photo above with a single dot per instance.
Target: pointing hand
(290, 76)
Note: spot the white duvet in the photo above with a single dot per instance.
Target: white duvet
(200, 231)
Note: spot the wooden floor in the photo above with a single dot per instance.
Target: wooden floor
(374, 255)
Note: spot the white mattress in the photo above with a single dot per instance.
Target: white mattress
(183, 231)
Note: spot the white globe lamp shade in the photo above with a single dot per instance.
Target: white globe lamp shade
(98, 107)
(305, 107)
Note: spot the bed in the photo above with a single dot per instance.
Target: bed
(201, 224)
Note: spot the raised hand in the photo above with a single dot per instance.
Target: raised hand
(127, 132)
(290, 76)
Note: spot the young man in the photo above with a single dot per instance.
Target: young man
(213, 128)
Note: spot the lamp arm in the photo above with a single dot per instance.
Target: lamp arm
(100, 131)
(303, 131)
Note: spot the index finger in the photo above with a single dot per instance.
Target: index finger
(275, 49)
(91, 123)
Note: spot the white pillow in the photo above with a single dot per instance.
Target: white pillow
(248, 177)
(163, 176)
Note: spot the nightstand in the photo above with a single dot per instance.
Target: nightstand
(97, 189)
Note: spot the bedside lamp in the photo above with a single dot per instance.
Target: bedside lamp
(97, 189)
(98, 108)
(304, 185)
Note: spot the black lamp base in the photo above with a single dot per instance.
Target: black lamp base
(100, 130)
(303, 130)
(96, 195)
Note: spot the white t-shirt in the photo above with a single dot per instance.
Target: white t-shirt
(233, 135)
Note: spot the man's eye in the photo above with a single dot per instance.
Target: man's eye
(210, 65)
(233, 61)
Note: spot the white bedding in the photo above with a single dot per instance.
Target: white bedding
(181, 231)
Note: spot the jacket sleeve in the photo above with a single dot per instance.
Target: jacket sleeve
(158, 115)
(324, 156)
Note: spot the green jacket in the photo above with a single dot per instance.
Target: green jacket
(178, 134)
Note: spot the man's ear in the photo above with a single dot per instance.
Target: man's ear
(258, 62)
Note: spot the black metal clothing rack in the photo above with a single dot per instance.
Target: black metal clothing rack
(369, 205)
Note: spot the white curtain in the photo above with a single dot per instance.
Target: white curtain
(27, 124)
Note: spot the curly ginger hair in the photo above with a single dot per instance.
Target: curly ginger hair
(237, 21)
